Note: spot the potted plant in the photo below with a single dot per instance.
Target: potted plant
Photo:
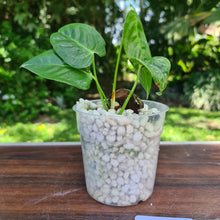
(120, 135)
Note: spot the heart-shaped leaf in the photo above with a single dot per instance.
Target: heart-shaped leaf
(48, 65)
(76, 44)
(134, 40)
(158, 67)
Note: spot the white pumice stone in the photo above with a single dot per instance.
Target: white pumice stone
(120, 181)
(136, 123)
(132, 199)
(135, 178)
(108, 166)
(119, 138)
(126, 175)
(113, 176)
(111, 111)
(99, 123)
(123, 121)
(129, 129)
(110, 138)
(120, 173)
(100, 137)
(121, 158)
(130, 163)
(108, 181)
(115, 169)
(114, 183)
(113, 123)
(125, 188)
(115, 199)
(129, 146)
(94, 128)
(114, 128)
(107, 125)
(106, 158)
(93, 136)
(114, 192)
(141, 163)
(129, 112)
(114, 163)
(108, 200)
(137, 137)
(121, 150)
(140, 156)
(121, 131)
(136, 148)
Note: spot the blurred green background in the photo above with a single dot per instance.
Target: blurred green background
(186, 32)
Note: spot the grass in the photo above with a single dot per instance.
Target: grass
(181, 124)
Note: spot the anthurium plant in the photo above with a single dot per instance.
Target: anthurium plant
(72, 59)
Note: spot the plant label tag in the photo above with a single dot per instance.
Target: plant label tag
(141, 217)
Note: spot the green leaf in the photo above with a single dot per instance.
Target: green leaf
(145, 75)
(76, 44)
(48, 65)
(146, 80)
(213, 17)
(158, 67)
(136, 46)
(134, 40)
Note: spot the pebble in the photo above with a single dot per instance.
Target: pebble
(114, 163)
(129, 129)
(115, 199)
(106, 158)
(110, 138)
(120, 181)
(125, 188)
(123, 121)
(100, 137)
(132, 199)
(99, 123)
(94, 128)
(129, 146)
(121, 131)
(137, 137)
(114, 192)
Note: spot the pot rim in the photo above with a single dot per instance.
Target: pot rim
(165, 108)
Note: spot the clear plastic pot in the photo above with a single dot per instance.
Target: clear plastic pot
(120, 154)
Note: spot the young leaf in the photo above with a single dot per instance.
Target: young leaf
(48, 65)
(136, 46)
(134, 40)
(76, 44)
(146, 80)
(158, 67)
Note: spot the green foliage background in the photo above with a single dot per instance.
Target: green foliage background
(173, 30)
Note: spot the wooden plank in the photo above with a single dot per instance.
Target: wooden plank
(47, 182)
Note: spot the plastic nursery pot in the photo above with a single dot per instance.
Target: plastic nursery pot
(120, 153)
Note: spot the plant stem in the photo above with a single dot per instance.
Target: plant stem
(104, 100)
(131, 92)
(115, 75)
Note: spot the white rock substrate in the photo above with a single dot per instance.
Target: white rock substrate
(119, 152)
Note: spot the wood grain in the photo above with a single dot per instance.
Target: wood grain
(47, 182)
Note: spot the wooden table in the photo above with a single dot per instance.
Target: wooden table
(46, 181)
